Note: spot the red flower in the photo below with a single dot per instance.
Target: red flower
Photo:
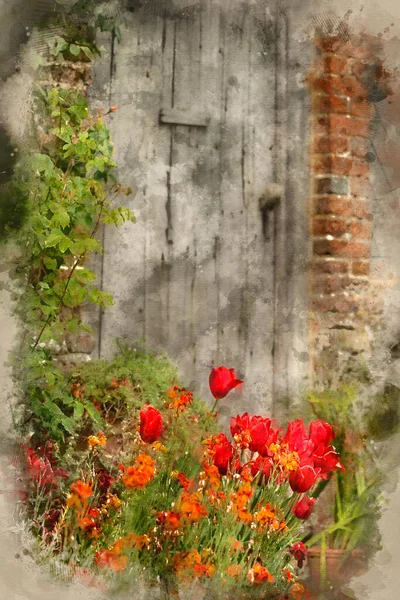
(304, 507)
(303, 478)
(299, 552)
(321, 433)
(40, 468)
(222, 381)
(222, 454)
(297, 439)
(253, 432)
(151, 424)
(260, 464)
(327, 460)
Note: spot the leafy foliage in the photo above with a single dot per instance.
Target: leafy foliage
(66, 192)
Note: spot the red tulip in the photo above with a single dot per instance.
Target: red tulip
(327, 460)
(151, 424)
(303, 478)
(40, 469)
(260, 465)
(304, 507)
(296, 438)
(299, 552)
(321, 433)
(253, 432)
(223, 454)
(222, 381)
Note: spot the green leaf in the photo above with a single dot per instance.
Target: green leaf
(64, 244)
(94, 414)
(50, 263)
(88, 52)
(53, 239)
(78, 410)
(62, 218)
(74, 49)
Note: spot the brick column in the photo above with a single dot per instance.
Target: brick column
(342, 85)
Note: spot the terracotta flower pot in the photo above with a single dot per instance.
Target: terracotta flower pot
(339, 569)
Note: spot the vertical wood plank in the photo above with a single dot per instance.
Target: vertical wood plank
(134, 251)
(260, 134)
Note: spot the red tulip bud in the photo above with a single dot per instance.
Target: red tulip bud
(222, 381)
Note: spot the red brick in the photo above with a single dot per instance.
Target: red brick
(355, 48)
(340, 304)
(332, 144)
(341, 248)
(341, 125)
(359, 167)
(335, 64)
(361, 108)
(359, 146)
(334, 165)
(343, 207)
(326, 226)
(360, 186)
(360, 229)
(330, 104)
(328, 265)
(360, 267)
(328, 284)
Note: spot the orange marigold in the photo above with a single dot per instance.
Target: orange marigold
(82, 490)
(297, 591)
(213, 475)
(216, 497)
(170, 520)
(97, 440)
(141, 473)
(181, 398)
(111, 559)
(234, 570)
(191, 507)
(259, 574)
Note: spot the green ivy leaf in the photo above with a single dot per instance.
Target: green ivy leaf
(88, 52)
(50, 263)
(78, 411)
(53, 239)
(74, 49)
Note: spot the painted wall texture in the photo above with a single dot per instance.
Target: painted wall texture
(214, 107)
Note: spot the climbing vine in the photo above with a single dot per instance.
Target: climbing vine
(68, 191)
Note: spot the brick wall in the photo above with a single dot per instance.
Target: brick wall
(347, 79)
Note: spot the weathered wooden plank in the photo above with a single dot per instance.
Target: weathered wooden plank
(184, 199)
(206, 182)
(132, 261)
(176, 116)
(230, 264)
(259, 254)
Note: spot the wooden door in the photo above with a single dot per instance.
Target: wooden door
(195, 135)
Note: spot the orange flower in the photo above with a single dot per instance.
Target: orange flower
(242, 496)
(138, 541)
(233, 570)
(267, 517)
(246, 475)
(97, 440)
(191, 507)
(170, 520)
(258, 574)
(216, 497)
(212, 473)
(297, 591)
(139, 475)
(201, 570)
(111, 559)
(245, 517)
(180, 397)
(82, 490)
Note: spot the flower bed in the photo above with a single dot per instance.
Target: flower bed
(160, 494)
